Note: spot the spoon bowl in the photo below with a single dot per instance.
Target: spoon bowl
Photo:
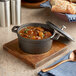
(72, 56)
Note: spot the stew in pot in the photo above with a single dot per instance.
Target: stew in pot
(35, 33)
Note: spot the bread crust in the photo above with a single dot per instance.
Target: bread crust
(63, 6)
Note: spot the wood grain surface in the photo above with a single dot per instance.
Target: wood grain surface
(34, 60)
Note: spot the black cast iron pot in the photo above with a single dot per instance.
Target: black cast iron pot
(35, 46)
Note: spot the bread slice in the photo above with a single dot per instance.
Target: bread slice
(71, 9)
(74, 7)
(63, 6)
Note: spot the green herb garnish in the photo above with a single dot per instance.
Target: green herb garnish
(25, 31)
(20, 33)
(25, 27)
(43, 35)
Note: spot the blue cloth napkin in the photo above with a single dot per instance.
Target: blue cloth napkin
(65, 69)
(46, 4)
(71, 18)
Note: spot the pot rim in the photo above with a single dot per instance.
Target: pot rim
(51, 37)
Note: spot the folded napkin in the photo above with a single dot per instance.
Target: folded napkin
(65, 69)
(71, 18)
(46, 4)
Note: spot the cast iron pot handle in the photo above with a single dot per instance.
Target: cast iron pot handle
(15, 28)
(56, 35)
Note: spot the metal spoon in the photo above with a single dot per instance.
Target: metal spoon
(72, 57)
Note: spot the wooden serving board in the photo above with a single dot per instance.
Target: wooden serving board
(34, 60)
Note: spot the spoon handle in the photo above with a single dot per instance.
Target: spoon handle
(52, 67)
